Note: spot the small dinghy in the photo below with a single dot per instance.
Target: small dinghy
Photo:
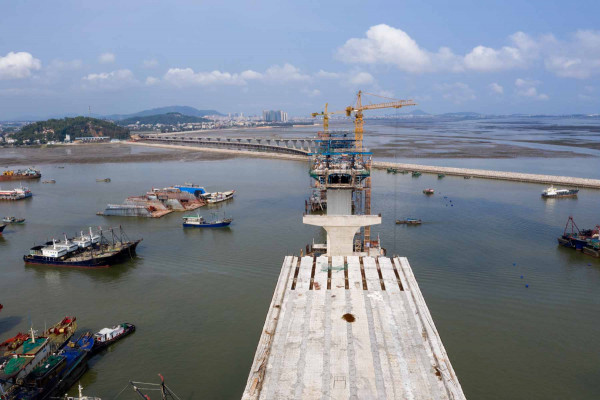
(13, 220)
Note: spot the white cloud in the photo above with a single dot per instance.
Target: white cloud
(61, 65)
(110, 80)
(150, 81)
(577, 57)
(284, 73)
(457, 92)
(327, 75)
(311, 92)
(361, 78)
(496, 88)
(107, 58)
(18, 65)
(384, 44)
(151, 63)
(181, 77)
(528, 88)
(274, 74)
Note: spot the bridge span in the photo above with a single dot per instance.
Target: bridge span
(296, 146)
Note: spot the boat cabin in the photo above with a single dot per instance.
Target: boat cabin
(108, 334)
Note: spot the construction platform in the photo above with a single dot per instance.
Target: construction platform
(350, 328)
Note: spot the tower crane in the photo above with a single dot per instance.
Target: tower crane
(358, 109)
(326, 115)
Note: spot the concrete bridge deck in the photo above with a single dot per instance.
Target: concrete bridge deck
(303, 146)
(350, 328)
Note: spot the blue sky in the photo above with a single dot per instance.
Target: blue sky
(122, 56)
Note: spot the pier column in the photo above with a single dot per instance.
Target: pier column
(341, 230)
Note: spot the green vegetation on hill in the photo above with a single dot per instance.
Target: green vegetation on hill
(57, 129)
(172, 118)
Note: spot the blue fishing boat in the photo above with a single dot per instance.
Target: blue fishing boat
(199, 222)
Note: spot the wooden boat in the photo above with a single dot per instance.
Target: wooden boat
(409, 221)
(49, 181)
(440, 176)
(2, 226)
(416, 174)
(199, 222)
(392, 170)
(103, 180)
(428, 191)
(467, 177)
(107, 336)
(13, 220)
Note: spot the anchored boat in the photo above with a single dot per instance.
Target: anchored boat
(2, 226)
(21, 174)
(409, 221)
(107, 336)
(13, 220)
(584, 240)
(553, 192)
(199, 222)
(90, 251)
(218, 197)
(428, 191)
(15, 194)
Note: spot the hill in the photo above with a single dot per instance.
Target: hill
(172, 118)
(185, 110)
(57, 129)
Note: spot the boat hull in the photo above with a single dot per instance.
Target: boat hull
(4, 178)
(99, 346)
(215, 225)
(95, 262)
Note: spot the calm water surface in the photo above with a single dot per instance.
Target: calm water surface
(199, 297)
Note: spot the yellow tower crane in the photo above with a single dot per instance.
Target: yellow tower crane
(325, 114)
(358, 109)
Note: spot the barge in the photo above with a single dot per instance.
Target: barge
(21, 174)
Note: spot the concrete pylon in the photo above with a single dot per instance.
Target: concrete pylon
(341, 230)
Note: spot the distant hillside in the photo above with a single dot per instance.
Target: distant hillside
(57, 129)
(172, 118)
(185, 110)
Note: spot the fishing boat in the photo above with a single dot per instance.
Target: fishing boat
(13, 220)
(81, 396)
(218, 197)
(21, 174)
(107, 336)
(553, 192)
(15, 194)
(467, 177)
(409, 221)
(20, 361)
(199, 222)
(60, 333)
(99, 250)
(2, 226)
(440, 176)
(428, 191)
(165, 391)
(58, 372)
(584, 240)
(49, 181)
(392, 170)
(416, 174)
(103, 180)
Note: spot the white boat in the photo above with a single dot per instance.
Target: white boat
(218, 197)
(15, 194)
(554, 192)
(81, 396)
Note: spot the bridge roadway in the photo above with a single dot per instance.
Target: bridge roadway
(303, 146)
(297, 146)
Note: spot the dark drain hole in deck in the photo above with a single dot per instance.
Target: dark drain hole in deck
(348, 318)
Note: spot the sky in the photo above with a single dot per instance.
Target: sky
(495, 57)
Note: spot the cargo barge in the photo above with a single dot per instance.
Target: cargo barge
(87, 251)
(21, 174)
